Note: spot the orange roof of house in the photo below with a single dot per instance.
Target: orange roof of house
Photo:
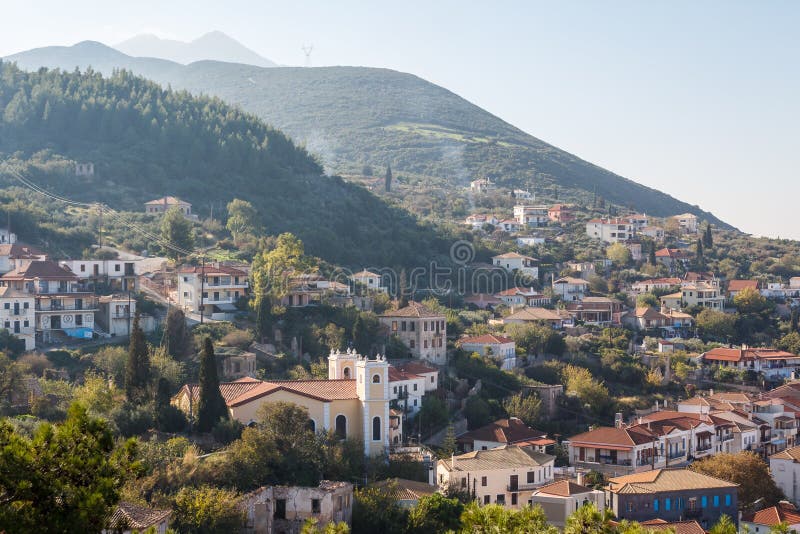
(513, 255)
(169, 201)
(612, 436)
(783, 512)
(211, 269)
(678, 527)
(528, 292)
(652, 281)
(563, 488)
(661, 480)
(321, 390)
(510, 430)
(738, 285)
(44, 269)
(416, 367)
(414, 309)
(648, 312)
(486, 339)
(746, 354)
(792, 454)
(676, 253)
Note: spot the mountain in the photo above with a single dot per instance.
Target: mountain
(354, 117)
(214, 46)
(146, 142)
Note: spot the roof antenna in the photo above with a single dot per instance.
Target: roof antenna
(307, 49)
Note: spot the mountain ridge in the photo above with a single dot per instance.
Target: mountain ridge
(214, 45)
(358, 116)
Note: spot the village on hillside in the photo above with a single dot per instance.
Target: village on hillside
(629, 376)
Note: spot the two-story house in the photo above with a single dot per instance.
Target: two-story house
(687, 222)
(492, 345)
(13, 255)
(672, 495)
(521, 296)
(505, 475)
(613, 230)
(369, 280)
(533, 216)
(17, 315)
(511, 431)
(214, 288)
(519, 263)
(560, 213)
(104, 275)
(423, 331)
(570, 288)
(409, 381)
(62, 307)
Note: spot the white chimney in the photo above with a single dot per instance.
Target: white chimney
(580, 477)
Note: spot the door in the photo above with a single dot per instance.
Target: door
(581, 454)
(16, 308)
(513, 484)
(78, 304)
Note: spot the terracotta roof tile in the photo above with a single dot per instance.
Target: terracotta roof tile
(40, 269)
(661, 480)
(783, 512)
(486, 339)
(503, 457)
(508, 431)
(414, 309)
(563, 488)
(129, 516)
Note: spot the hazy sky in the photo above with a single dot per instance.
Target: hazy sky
(696, 98)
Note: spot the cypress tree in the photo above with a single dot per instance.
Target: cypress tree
(177, 336)
(701, 262)
(402, 290)
(211, 407)
(137, 368)
(388, 183)
(652, 257)
(708, 239)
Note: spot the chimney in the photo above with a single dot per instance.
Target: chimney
(711, 392)
(617, 422)
(580, 477)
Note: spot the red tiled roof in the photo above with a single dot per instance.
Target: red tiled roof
(20, 250)
(169, 201)
(618, 437)
(210, 270)
(128, 516)
(40, 269)
(322, 390)
(673, 253)
(414, 309)
(783, 512)
(563, 488)
(739, 285)
(678, 527)
(415, 367)
(509, 431)
(486, 339)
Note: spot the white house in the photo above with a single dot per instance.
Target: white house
(495, 346)
(14, 255)
(113, 275)
(481, 185)
(512, 261)
(370, 280)
(511, 431)
(616, 230)
(508, 225)
(561, 499)
(570, 288)
(214, 288)
(164, 204)
(17, 315)
(687, 222)
(785, 469)
(531, 215)
(409, 381)
(478, 220)
(530, 240)
(763, 521)
(7, 237)
(506, 475)
(653, 232)
(519, 296)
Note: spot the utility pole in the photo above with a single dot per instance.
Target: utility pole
(100, 210)
(202, 288)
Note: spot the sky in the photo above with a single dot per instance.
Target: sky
(699, 99)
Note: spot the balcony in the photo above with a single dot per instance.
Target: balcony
(66, 307)
(676, 454)
(726, 437)
(703, 447)
(525, 487)
(697, 513)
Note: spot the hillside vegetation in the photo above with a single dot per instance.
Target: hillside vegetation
(356, 116)
(146, 141)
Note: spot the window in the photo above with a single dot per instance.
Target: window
(395, 389)
(425, 343)
(403, 326)
(483, 481)
(376, 379)
(487, 499)
(655, 505)
(376, 429)
(513, 499)
(411, 344)
(716, 501)
(415, 387)
(26, 305)
(667, 504)
(116, 267)
(728, 499)
(315, 507)
(531, 477)
(347, 372)
(501, 499)
(463, 482)
(312, 426)
(394, 326)
(431, 377)
(83, 267)
(703, 501)
(280, 509)
(413, 326)
(415, 402)
(26, 323)
(341, 426)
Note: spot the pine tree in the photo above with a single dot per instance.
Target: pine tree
(211, 406)
(388, 183)
(449, 443)
(137, 368)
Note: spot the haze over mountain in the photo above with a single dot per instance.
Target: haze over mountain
(215, 46)
(357, 116)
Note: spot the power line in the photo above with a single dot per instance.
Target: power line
(114, 215)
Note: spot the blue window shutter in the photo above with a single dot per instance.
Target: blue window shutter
(655, 505)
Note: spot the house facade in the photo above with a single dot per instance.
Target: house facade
(368, 279)
(511, 431)
(17, 315)
(561, 499)
(570, 289)
(785, 469)
(214, 288)
(505, 475)
(105, 275)
(423, 331)
(494, 346)
(672, 495)
(164, 204)
(531, 216)
(560, 213)
(687, 222)
(612, 230)
(514, 262)
(61, 307)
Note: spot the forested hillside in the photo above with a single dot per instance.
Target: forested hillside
(356, 116)
(146, 141)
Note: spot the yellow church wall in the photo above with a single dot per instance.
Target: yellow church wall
(248, 412)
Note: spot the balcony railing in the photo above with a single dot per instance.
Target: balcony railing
(524, 487)
(66, 307)
(676, 454)
(727, 437)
